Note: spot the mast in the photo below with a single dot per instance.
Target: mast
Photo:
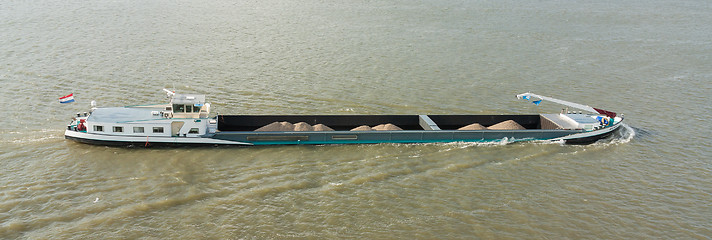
(528, 96)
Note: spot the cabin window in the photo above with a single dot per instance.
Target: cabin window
(138, 129)
(193, 131)
(157, 129)
(98, 128)
(178, 108)
(118, 129)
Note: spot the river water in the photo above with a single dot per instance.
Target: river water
(649, 60)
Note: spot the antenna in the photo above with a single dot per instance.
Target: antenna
(169, 93)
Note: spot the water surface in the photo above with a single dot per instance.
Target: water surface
(649, 60)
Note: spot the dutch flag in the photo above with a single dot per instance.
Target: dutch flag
(67, 99)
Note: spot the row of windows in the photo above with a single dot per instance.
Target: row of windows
(180, 108)
(98, 128)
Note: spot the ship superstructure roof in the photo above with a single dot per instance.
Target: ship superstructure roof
(123, 114)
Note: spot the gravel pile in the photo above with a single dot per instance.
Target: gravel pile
(322, 127)
(381, 127)
(288, 127)
(302, 126)
(474, 126)
(362, 128)
(276, 127)
(506, 125)
(386, 127)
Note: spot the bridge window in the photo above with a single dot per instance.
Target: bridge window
(178, 108)
(98, 128)
(138, 129)
(118, 129)
(157, 129)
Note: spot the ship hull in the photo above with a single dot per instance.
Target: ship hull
(252, 138)
(185, 122)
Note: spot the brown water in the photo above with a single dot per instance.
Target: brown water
(649, 60)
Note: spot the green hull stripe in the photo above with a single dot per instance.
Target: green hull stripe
(386, 141)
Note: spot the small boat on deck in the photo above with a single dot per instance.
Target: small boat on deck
(186, 120)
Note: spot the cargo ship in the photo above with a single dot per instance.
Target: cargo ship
(186, 120)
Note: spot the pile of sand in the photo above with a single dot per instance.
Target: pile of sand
(276, 127)
(474, 126)
(288, 127)
(386, 127)
(362, 128)
(381, 127)
(322, 127)
(302, 126)
(506, 125)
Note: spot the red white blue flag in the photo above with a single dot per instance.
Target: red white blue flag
(67, 99)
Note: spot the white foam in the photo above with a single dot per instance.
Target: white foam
(622, 136)
(499, 142)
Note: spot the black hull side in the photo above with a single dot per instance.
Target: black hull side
(320, 138)
(140, 144)
(591, 139)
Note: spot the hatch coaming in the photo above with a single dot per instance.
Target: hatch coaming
(348, 122)
(405, 136)
(416, 129)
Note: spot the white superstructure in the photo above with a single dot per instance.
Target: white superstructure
(186, 116)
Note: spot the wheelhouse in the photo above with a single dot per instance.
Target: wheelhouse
(188, 106)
